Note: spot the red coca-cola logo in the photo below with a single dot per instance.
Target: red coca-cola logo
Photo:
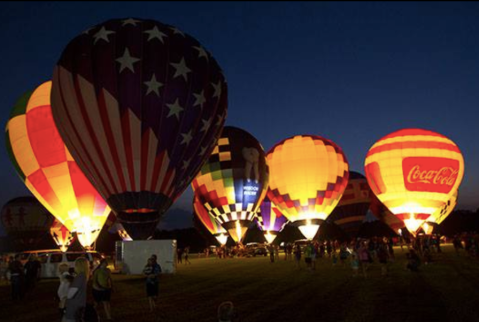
(430, 174)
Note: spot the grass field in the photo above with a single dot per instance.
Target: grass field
(446, 290)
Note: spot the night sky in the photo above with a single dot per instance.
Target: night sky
(350, 72)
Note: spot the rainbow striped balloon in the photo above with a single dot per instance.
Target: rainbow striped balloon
(414, 173)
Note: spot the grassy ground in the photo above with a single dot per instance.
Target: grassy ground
(446, 290)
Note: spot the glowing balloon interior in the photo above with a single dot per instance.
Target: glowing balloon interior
(308, 175)
(414, 173)
(270, 220)
(233, 183)
(61, 235)
(49, 171)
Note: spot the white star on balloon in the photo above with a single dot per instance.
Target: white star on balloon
(130, 21)
(185, 164)
(217, 88)
(153, 85)
(155, 33)
(202, 150)
(177, 31)
(220, 120)
(102, 34)
(200, 99)
(206, 125)
(186, 138)
(175, 109)
(181, 69)
(201, 52)
(127, 61)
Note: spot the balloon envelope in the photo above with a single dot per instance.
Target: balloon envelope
(308, 177)
(353, 206)
(48, 170)
(270, 220)
(414, 173)
(209, 222)
(61, 235)
(26, 220)
(234, 180)
(140, 106)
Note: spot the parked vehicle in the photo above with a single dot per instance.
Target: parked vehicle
(253, 249)
(50, 259)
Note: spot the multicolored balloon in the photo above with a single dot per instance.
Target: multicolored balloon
(140, 105)
(233, 183)
(25, 220)
(61, 235)
(270, 220)
(353, 206)
(48, 170)
(445, 211)
(209, 222)
(414, 173)
(308, 177)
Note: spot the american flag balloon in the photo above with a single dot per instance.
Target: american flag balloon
(140, 105)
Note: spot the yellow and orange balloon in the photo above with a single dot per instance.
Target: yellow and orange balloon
(414, 173)
(48, 170)
(308, 175)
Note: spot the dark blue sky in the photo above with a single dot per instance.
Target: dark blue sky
(351, 72)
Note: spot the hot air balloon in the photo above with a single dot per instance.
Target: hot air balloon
(445, 211)
(414, 173)
(353, 206)
(43, 162)
(61, 235)
(26, 221)
(209, 222)
(382, 213)
(308, 175)
(140, 106)
(439, 216)
(233, 182)
(270, 220)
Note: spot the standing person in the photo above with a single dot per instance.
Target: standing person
(285, 249)
(364, 258)
(17, 278)
(343, 255)
(3, 268)
(152, 271)
(383, 257)
(297, 255)
(187, 251)
(62, 292)
(329, 248)
(102, 285)
(313, 256)
(76, 298)
(307, 255)
(32, 273)
(354, 264)
(271, 253)
(179, 252)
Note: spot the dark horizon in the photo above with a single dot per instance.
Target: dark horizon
(350, 72)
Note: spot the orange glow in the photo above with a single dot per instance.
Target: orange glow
(308, 175)
(49, 171)
(414, 173)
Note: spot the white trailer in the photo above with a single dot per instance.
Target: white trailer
(132, 256)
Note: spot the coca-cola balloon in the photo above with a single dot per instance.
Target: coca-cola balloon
(414, 173)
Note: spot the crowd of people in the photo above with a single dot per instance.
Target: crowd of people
(358, 255)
